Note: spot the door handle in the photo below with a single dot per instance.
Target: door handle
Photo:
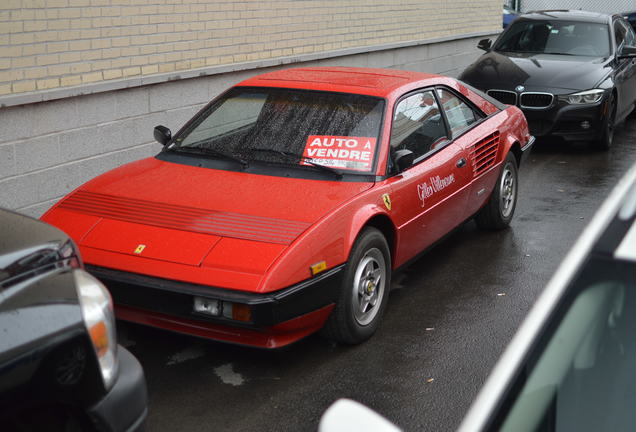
(461, 163)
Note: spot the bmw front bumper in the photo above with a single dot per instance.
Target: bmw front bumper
(571, 122)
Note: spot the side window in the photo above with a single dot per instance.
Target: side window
(459, 115)
(630, 37)
(418, 125)
(619, 35)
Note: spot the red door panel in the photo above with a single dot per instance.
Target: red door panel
(428, 200)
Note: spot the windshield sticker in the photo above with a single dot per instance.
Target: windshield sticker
(434, 185)
(353, 153)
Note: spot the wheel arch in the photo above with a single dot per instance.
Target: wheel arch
(384, 224)
(515, 148)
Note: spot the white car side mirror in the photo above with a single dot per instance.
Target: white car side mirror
(346, 415)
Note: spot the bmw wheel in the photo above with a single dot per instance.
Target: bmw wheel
(607, 137)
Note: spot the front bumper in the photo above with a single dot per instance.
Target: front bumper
(568, 121)
(124, 407)
(277, 319)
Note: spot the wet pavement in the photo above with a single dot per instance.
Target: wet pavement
(453, 313)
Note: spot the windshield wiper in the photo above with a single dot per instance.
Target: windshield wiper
(297, 158)
(211, 151)
(560, 53)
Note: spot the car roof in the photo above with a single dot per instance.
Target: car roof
(609, 233)
(368, 81)
(568, 15)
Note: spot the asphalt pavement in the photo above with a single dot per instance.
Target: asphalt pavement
(450, 317)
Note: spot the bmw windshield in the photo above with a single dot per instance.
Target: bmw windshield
(556, 37)
(305, 129)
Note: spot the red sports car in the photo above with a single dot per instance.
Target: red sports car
(284, 205)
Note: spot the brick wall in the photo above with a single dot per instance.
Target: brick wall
(49, 44)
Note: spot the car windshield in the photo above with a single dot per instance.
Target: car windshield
(581, 377)
(556, 37)
(292, 127)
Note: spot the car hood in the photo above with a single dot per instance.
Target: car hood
(536, 72)
(26, 245)
(193, 216)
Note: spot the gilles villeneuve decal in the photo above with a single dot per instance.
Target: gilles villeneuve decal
(433, 185)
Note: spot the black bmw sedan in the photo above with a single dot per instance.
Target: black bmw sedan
(573, 73)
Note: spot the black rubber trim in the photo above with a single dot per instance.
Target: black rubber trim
(125, 406)
(525, 150)
(176, 298)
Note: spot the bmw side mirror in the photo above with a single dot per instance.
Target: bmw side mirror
(484, 44)
(403, 159)
(628, 51)
(162, 134)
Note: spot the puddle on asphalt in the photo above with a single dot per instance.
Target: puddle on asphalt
(228, 376)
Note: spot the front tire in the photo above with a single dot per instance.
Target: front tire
(364, 291)
(607, 137)
(498, 211)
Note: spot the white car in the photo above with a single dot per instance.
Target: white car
(570, 367)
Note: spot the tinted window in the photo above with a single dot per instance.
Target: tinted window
(279, 125)
(556, 37)
(623, 34)
(418, 125)
(630, 36)
(459, 115)
(582, 376)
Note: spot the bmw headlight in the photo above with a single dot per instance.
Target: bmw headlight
(584, 97)
(97, 310)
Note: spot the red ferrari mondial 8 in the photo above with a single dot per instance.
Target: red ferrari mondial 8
(284, 205)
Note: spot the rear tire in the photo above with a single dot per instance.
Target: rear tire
(500, 208)
(364, 291)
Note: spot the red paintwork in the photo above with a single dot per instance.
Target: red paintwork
(272, 337)
(205, 226)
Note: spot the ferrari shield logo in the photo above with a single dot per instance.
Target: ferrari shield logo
(140, 248)
(387, 201)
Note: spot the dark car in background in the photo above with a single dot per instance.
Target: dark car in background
(631, 18)
(573, 73)
(508, 16)
(60, 365)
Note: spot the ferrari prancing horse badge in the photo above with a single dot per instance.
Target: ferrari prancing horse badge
(387, 201)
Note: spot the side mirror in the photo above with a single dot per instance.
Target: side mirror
(403, 159)
(484, 44)
(346, 415)
(162, 134)
(628, 51)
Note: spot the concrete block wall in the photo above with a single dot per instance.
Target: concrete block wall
(49, 148)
